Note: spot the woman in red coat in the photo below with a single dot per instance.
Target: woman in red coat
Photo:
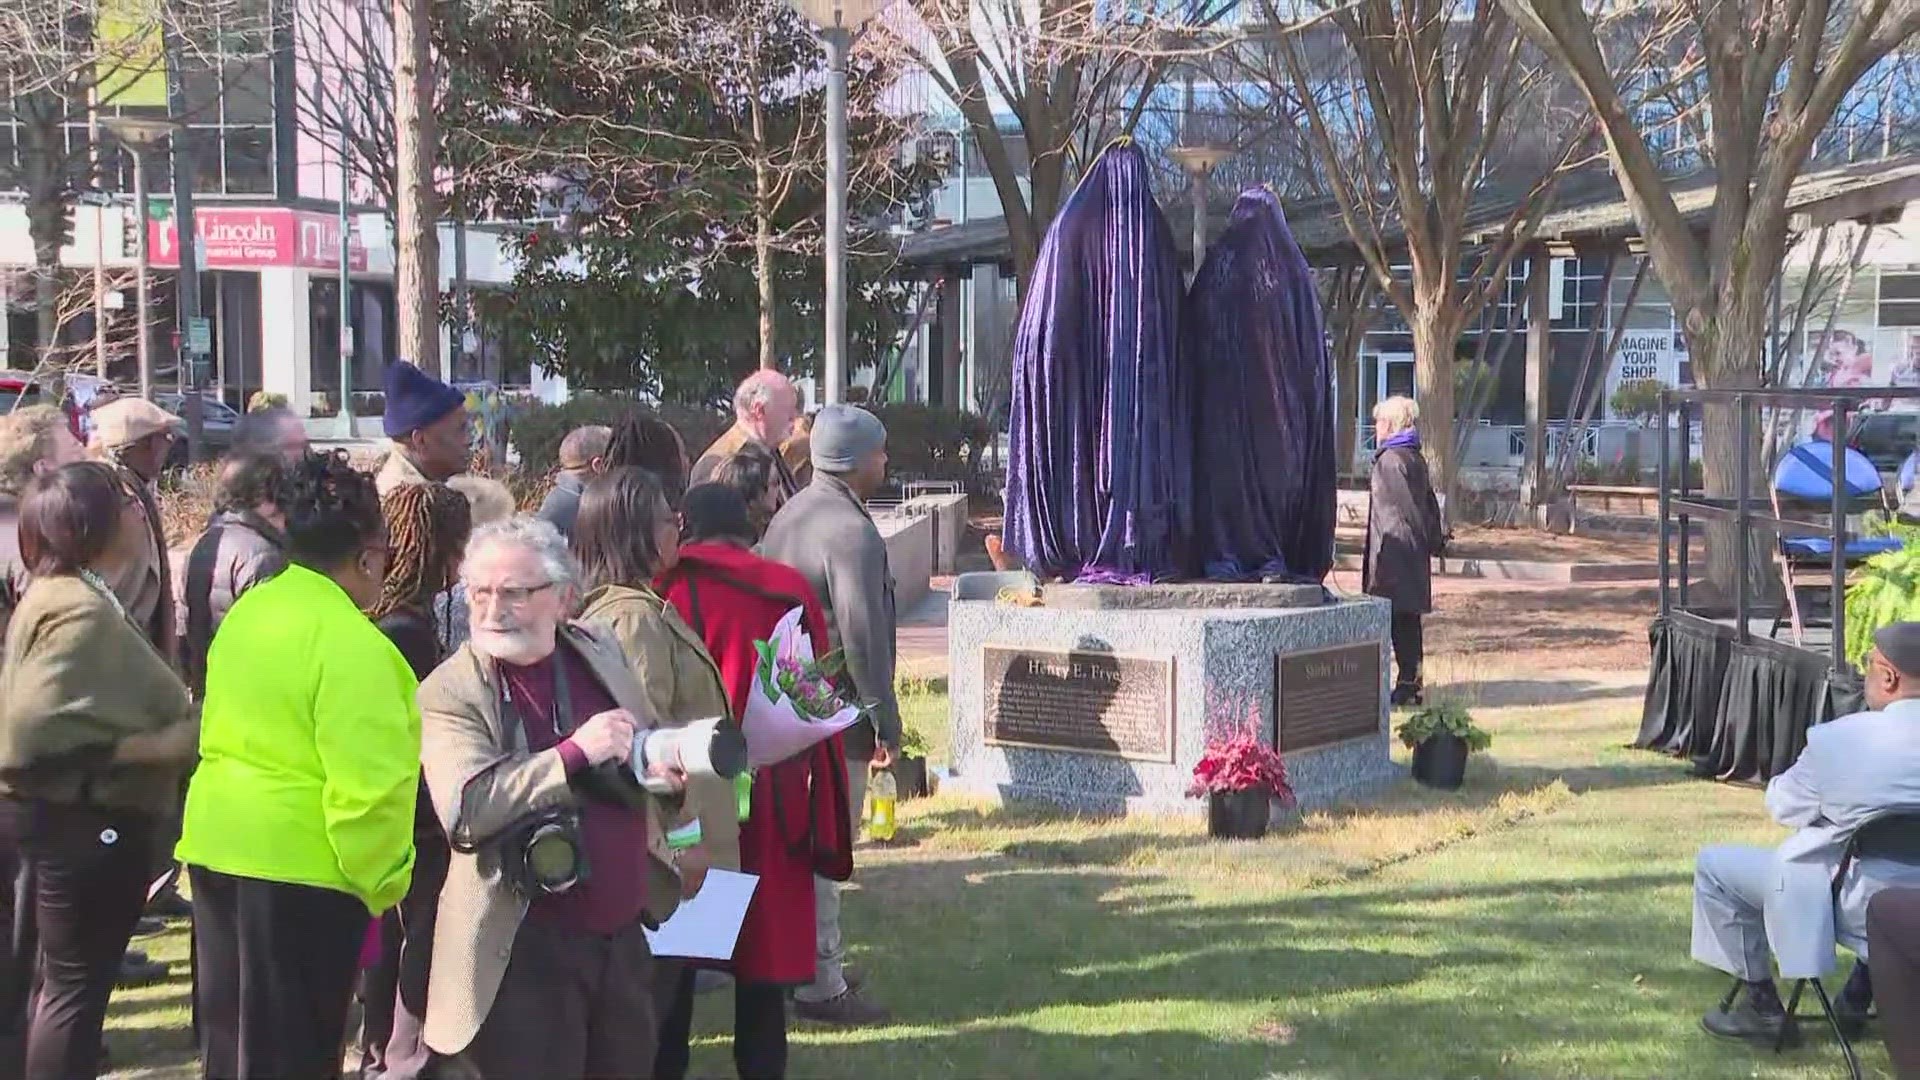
(798, 824)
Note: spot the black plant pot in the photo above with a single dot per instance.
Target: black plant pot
(911, 774)
(1238, 815)
(1440, 761)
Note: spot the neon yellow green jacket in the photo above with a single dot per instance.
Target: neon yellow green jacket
(309, 746)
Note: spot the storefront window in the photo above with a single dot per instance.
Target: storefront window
(371, 308)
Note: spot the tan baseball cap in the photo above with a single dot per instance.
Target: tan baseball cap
(127, 420)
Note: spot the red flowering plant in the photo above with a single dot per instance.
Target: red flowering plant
(1238, 759)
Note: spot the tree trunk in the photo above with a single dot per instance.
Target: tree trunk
(1436, 331)
(763, 266)
(1349, 312)
(1346, 405)
(46, 224)
(762, 221)
(416, 217)
(46, 305)
(1728, 357)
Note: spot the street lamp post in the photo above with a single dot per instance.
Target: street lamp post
(1199, 163)
(838, 22)
(345, 415)
(139, 133)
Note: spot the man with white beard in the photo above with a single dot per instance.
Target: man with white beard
(540, 963)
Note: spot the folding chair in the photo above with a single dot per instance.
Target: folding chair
(1894, 836)
(1805, 474)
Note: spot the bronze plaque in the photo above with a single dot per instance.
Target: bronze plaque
(1068, 699)
(1326, 696)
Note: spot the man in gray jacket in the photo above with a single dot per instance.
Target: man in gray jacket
(826, 533)
(1753, 906)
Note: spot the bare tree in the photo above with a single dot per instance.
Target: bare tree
(345, 86)
(1768, 77)
(1350, 299)
(61, 64)
(1438, 88)
(688, 134)
(1073, 74)
(74, 305)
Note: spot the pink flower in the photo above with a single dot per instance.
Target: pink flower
(1238, 759)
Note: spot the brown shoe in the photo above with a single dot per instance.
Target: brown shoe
(846, 1010)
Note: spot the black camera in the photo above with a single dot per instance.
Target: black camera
(545, 856)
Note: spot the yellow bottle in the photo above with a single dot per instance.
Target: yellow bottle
(882, 796)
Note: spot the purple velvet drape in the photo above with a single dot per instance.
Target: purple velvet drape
(1263, 387)
(1100, 469)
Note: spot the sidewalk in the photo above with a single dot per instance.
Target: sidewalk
(922, 635)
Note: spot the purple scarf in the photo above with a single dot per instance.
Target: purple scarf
(1408, 439)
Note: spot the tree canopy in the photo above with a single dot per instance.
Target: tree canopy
(673, 152)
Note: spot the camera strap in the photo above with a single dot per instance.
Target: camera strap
(561, 717)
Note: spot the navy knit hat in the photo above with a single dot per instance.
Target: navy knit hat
(416, 399)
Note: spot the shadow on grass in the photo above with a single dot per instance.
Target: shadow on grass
(1097, 974)
(173, 996)
(1527, 693)
(1121, 840)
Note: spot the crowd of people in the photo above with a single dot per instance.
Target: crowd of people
(387, 726)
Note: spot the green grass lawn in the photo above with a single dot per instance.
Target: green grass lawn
(1533, 925)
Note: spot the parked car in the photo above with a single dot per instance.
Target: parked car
(217, 421)
(18, 389)
(1886, 438)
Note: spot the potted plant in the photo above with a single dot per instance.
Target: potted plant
(1441, 735)
(1241, 775)
(910, 767)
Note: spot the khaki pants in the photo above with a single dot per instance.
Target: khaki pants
(830, 949)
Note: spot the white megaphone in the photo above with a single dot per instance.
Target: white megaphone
(702, 748)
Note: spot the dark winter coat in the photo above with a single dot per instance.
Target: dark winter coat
(237, 552)
(1404, 532)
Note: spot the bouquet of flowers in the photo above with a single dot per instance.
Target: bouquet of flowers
(793, 704)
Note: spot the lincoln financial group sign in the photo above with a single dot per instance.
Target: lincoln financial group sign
(236, 238)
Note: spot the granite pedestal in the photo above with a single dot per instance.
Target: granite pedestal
(1028, 664)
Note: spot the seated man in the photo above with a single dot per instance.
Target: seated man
(1746, 899)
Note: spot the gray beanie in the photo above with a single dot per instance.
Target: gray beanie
(843, 436)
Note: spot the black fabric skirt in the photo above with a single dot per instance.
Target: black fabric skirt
(1737, 711)
(1683, 688)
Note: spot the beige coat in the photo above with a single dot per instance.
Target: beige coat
(145, 587)
(483, 780)
(682, 684)
(728, 444)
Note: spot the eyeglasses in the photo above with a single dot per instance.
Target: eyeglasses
(512, 596)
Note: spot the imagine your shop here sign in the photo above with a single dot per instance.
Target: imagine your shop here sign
(1646, 354)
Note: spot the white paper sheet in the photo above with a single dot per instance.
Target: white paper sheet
(707, 926)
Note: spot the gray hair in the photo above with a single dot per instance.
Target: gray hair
(759, 388)
(1398, 412)
(583, 444)
(533, 535)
